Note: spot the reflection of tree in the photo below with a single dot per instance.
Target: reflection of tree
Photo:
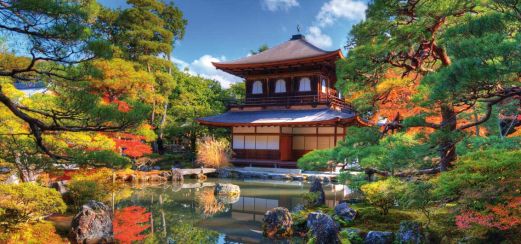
(186, 233)
(208, 203)
(130, 223)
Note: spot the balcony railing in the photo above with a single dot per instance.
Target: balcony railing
(292, 100)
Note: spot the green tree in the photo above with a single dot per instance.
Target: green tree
(460, 53)
(384, 193)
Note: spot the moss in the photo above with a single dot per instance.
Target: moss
(371, 218)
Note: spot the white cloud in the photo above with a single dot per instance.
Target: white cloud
(317, 38)
(275, 5)
(341, 9)
(203, 67)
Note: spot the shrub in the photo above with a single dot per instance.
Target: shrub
(40, 232)
(418, 195)
(383, 194)
(27, 202)
(486, 184)
(212, 152)
(315, 160)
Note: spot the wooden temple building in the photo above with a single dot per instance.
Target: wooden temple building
(291, 105)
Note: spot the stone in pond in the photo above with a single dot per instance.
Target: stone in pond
(93, 224)
(277, 223)
(410, 232)
(317, 188)
(345, 212)
(379, 237)
(227, 189)
(323, 229)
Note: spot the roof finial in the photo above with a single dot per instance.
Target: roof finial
(298, 28)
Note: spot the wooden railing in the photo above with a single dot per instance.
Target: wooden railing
(292, 100)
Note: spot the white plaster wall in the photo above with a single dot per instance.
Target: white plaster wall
(238, 142)
(268, 129)
(244, 129)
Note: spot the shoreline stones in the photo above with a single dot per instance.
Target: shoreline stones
(379, 237)
(277, 223)
(409, 232)
(345, 212)
(317, 188)
(93, 224)
(323, 228)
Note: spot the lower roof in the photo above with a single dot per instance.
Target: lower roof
(279, 117)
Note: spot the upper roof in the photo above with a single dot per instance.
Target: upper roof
(297, 49)
(278, 117)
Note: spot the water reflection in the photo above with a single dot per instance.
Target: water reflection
(191, 213)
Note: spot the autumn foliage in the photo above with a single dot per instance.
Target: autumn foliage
(131, 145)
(130, 223)
(500, 216)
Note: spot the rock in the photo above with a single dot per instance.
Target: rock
(298, 178)
(345, 212)
(280, 177)
(132, 178)
(157, 178)
(326, 180)
(227, 189)
(156, 168)
(93, 224)
(224, 173)
(379, 237)
(410, 232)
(297, 208)
(277, 223)
(201, 177)
(60, 187)
(177, 175)
(317, 188)
(323, 228)
(4, 170)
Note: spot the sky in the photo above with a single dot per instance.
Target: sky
(221, 30)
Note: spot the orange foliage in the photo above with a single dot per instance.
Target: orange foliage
(501, 216)
(131, 145)
(130, 223)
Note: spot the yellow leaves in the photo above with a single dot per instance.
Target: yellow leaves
(81, 140)
(118, 77)
(389, 83)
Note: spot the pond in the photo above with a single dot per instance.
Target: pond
(190, 213)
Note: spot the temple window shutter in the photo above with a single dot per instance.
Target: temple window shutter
(257, 87)
(304, 84)
(280, 86)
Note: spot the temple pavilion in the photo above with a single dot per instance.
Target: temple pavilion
(291, 105)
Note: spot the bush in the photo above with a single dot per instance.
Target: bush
(40, 232)
(212, 152)
(383, 194)
(27, 202)
(315, 160)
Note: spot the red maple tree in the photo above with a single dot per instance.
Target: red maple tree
(130, 223)
(500, 216)
(131, 145)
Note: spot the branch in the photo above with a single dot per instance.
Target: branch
(514, 91)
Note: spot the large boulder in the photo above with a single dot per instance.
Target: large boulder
(93, 224)
(379, 237)
(410, 232)
(323, 229)
(227, 189)
(317, 188)
(60, 187)
(277, 223)
(345, 212)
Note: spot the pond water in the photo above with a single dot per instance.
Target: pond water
(190, 213)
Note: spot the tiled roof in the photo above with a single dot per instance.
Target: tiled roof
(265, 117)
(296, 48)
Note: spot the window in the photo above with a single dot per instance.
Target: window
(304, 84)
(324, 87)
(257, 87)
(280, 86)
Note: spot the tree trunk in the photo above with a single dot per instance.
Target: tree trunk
(447, 147)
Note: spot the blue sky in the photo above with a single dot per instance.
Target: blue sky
(228, 29)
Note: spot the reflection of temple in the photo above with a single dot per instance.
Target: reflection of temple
(242, 222)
